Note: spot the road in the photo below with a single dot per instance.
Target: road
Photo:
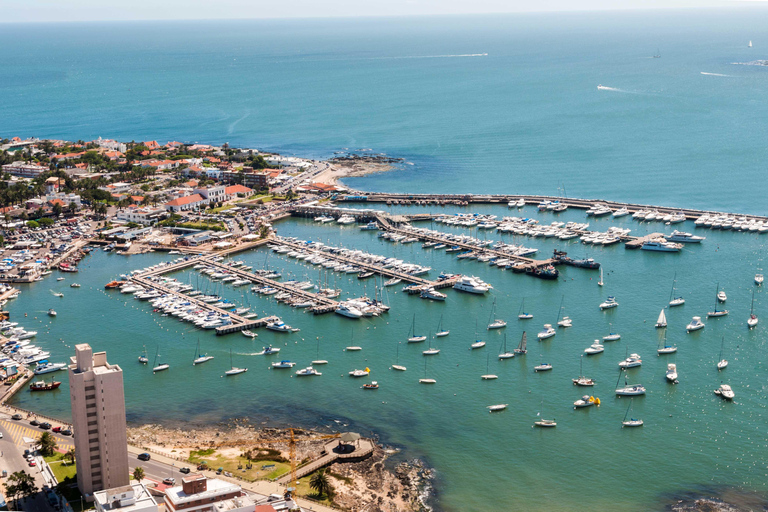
(155, 470)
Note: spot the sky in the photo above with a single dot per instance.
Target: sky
(112, 10)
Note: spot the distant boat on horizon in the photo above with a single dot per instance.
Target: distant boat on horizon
(750, 44)
(657, 55)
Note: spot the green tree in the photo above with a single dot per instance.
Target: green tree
(100, 209)
(138, 473)
(20, 485)
(57, 209)
(32, 224)
(47, 444)
(72, 207)
(264, 231)
(321, 485)
(45, 221)
(70, 455)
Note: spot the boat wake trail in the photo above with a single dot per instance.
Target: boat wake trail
(751, 63)
(606, 88)
(455, 56)
(715, 74)
(231, 127)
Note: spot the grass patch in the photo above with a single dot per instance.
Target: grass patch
(303, 489)
(62, 470)
(222, 208)
(237, 464)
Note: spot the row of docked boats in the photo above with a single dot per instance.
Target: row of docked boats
(654, 215)
(18, 349)
(344, 219)
(732, 222)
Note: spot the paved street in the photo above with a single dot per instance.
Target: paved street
(12, 447)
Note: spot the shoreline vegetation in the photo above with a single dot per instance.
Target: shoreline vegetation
(260, 453)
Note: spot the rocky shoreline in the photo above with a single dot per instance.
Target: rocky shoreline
(355, 166)
(372, 484)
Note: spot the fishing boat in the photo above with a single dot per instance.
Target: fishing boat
(675, 301)
(543, 367)
(695, 324)
(497, 407)
(582, 380)
(308, 371)
(268, 350)
(666, 349)
(586, 401)
(601, 282)
(662, 321)
(522, 347)
(159, 367)
(752, 321)
(425, 380)
(609, 303)
(722, 363)
(440, 331)
(504, 354)
(360, 373)
(413, 338)
(488, 375)
(725, 392)
(546, 332)
(372, 385)
(631, 422)
(671, 374)
(41, 385)
(234, 370)
(759, 279)
(200, 358)
(594, 348)
(522, 315)
(249, 334)
(318, 360)
(74, 285)
(397, 366)
(564, 321)
(143, 359)
(52, 312)
(495, 323)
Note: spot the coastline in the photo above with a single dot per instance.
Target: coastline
(355, 166)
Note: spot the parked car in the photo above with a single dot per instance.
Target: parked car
(16, 416)
(66, 432)
(45, 425)
(32, 463)
(56, 429)
(34, 423)
(144, 456)
(184, 471)
(169, 481)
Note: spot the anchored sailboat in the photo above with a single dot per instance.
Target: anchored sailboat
(318, 360)
(143, 359)
(632, 422)
(662, 321)
(158, 367)
(495, 323)
(397, 365)
(414, 338)
(522, 315)
(440, 331)
(718, 298)
(234, 370)
(504, 354)
(601, 282)
(522, 347)
(425, 380)
(752, 316)
(200, 358)
(675, 301)
(722, 363)
(564, 321)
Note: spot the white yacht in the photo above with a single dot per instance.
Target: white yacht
(348, 311)
(660, 246)
(497, 407)
(721, 296)
(631, 390)
(586, 401)
(595, 348)
(547, 332)
(565, 322)
(613, 336)
(279, 326)
(345, 220)
(683, 237)
(497, 324)
(725, 392)
(609, 303)
(759, 279)
(671, 374)
(359, 373)
(283, 364)
(543, 367)
(471, 285)
(49, 367)
(304, 372)
(695, 324)
(432, 294)
(621, 212)
(632, 361)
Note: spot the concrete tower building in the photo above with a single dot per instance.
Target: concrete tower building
(98, 419)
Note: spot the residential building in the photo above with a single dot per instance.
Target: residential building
(111, 144)
(146, 216)
(98, 418)
(233, 191)
(128, 498)
(186, 203)
(24, 169)
(117, 188)
(197, 493)
(53, 184)
(67, 199)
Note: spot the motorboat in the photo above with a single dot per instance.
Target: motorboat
(497, 407)
(279, 326)
(283, 364)
(621, 212)
(583, 381)
(759, 279)
(544, 423)
(249, 334)
(543, 367)
(565, 322)
(371, 385)
(305, 372)
(586, 401)
(725, 392)
(52, 312)
(74, 285)
(671, 374)
(432, 294)
(44, 386)
(695, 324)
(49, 368)
(632, 361)
(595, 348)
(721, 296)
(660, 246)
(471, 285)
(609, 303)
(633, 390)
(347, 310)
(547, 332)
(392, 282)
(683, 237)
(268, 350)
(359, 373)
(353, 348)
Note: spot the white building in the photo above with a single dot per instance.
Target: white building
(128, 498)
(66, 198)
(117, 188)
(111, 144)
(200, 494)
(145, 216)
(24, 170)
(213, 194)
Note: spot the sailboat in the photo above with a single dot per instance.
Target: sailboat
(495, 323)
(752, 316)
(662, 321)
(431, 351)
(504, 354)
(488, 375)
(722, 363)
(413, 338)
(159, 367)
(750, 44)
(582, 380)
(675, 301)
(425, 380)
(143, 359)
(522, 347)
(716, 312)
(632, 422)
(234, 370)
(200, 358)
(440, 331)
(542, 422)
(565, 321)
(666, 349)
(600, 282)
(522, 315)
(627, 390)
(397, 365)
(478, 342)
(318, 360)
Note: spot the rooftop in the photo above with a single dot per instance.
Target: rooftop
(216, 487)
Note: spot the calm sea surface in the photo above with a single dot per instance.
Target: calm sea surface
(525, 118)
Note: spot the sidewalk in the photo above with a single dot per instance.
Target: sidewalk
(262, 487)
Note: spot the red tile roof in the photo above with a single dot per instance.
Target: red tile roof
(181, 201)
(237, 189)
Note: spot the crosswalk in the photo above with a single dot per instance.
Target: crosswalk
(20, 434)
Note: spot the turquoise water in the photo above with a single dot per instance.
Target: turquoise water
(526, 118)
(691, 440)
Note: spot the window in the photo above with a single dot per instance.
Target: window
(90, 406)
(90, 397)
(90, 414)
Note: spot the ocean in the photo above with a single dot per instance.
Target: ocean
(472, 104)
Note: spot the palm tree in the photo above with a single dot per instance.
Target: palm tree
(138, 473)
(321, 485)
(47, 444)
(70, 455)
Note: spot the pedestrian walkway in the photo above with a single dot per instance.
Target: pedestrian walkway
(20, 434)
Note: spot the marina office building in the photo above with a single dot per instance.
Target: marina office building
(98, 418)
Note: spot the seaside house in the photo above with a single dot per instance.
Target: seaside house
(145, 216)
